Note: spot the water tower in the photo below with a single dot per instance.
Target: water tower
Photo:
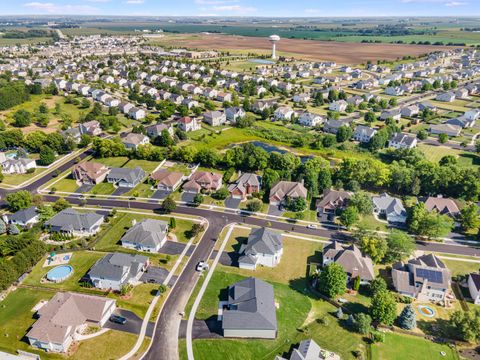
(274, 39)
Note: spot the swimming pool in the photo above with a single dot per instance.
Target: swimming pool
(262, 61)
(426, 311)
(60, 273)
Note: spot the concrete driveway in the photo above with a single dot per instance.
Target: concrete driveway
(156, 275)
(275, 210)
(160, 194)
(188, 197)
(85, 188)
(172, 248)
(121, 190)
(232, 203)
(202, 329)
(133, 324)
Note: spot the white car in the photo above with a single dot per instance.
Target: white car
(201, 266)
(312, 226)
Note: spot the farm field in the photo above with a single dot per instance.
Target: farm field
(344, 53)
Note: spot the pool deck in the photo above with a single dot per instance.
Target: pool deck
(58, 259)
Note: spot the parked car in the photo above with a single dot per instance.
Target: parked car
(312, 226)
(201, 266)
(117, 319)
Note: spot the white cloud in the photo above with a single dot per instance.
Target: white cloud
(134, 2)
(98, 1)
(234, 8)
(215, 2)
(455, 3)
(51, 8)
(311, 11)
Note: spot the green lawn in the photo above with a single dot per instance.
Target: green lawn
(81, 262)
(118, 161)
(142, 190)
(404, 347)
(111, 345)
(147, 166)
(104, 188)
(461, 267)
(435, 153)
(138, 300)
(65, 185)
(17, 179)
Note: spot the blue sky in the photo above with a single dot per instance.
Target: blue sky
(286, 8)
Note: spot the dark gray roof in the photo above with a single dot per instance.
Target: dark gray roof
(251, 306)
(149, 232)
(128, 175)
(262, 241)
(70, 219)
(24, 215)
(113, 266)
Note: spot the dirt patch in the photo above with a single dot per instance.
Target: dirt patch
(341, 52)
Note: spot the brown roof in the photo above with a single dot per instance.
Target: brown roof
(166, 177)
(351, 260)
(185, 120)
(133, 138)
(92, 169)
(333, 199)
(442, 205)
(66, 311)
(291, 189)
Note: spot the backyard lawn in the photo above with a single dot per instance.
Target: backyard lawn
(405, 347)
(81, 262)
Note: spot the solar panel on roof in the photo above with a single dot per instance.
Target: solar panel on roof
(430, 275)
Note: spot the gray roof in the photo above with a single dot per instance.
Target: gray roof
(24, 215)
(128, 175)
(389, 204)
(70, 219)
(113, 266)
(261, 241)
(251, 306)
(149, 232)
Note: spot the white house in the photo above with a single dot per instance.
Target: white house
(263, 247)
(149, 235)
(188, 123)
(18, 166)
(283, 113)
(340, 106)
(310, 119)
(474, 287)
(390, 207)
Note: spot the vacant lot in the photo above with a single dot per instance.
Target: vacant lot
(345, 53)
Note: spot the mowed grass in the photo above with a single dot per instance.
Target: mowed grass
(292, 266)
(81, 262)
(138, 300)
(405, 347)
(65, 185)
(104, 188)
(435, 153)
(17, 179)
(111, 345)
(461, 267)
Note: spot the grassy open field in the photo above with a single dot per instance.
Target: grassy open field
(26, 41)
(341, 52)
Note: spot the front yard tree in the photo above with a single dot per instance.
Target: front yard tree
(254, 205)
(61, 204)
(47, 156)
(198, 199)
(374, 246)
(172, 223)
(169, 205)
(19, 200)
(384, 307)
(370, 117)
(349, 217)
(344, 133)
(362, 201)
(469, 219)
(443, 138)
(408, 318)
(466, 324)
(332, 281)
(429, 224)
(221, 194)
(378, 284)
(296, 204)
(400, 246)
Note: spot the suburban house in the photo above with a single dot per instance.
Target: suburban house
(25, 217)
(63, 317)
(188, 123)
(331, 126)
(309, 350)
(446, 97)
(125, 177)
(246, 184)
(402, 141)
(474, 287)
(444, 206)
(263, 247)
(310, 119)
(90, 172)
(425, 278)
(202, 180)
(91, 128)
(215, 118)
(70, 221)
(283, 113)
(234, 113)
(446, 128)
(340, 106)
(351, 260)
(286, 189)
(133, 140)
(117, 269)
(156, 130)
(363, 133)
(410, 111)
(332, 201)
(136, 113)
(18, 166)
(148, 235)
(250, 311)
(167, 180)
(461, 121)
(395, 114)
(390, 207)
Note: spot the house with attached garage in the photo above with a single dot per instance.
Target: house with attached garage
(283, 113)
(245, 185)
(215, 118)
(395, 114)
(125, 177)
(18, 166)
(332, 126)
(364, 134)
(447, 129)
(286, 189)
(332, 201)
(136, 113)
(390, 207)
(340, 106)
(263, 247)
(188, 124)
(71, 222)
(117, 269)
(125, 107)
(443, 206)
(309, 350)
(446, 97)
(202, 180)
(473, 283)
(148, 235)
(167, 180)
(461, 121)
(402, 141)
(133, 141)
(91, 128)
(425, 278)
(410, 111)
(351, 260)
(24, 218)
(310, 119)
(472, 114)
(67, 314)
(156, 130)
(234, 113)
(90, 173)
(249, 311)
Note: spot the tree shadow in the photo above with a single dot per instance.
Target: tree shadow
(438, 328)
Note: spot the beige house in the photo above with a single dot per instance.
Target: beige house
(283, 189)
(90, 172)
